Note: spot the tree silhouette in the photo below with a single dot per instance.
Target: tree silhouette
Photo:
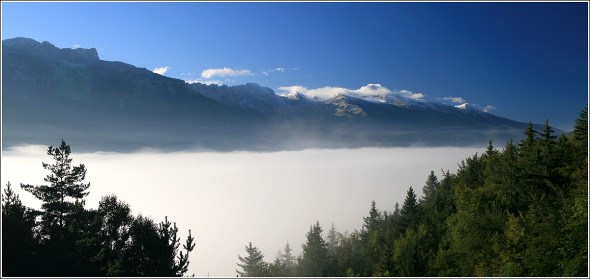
(18, 239)
(253, 264)
(66, 189)
(315, 253)
(73, 241)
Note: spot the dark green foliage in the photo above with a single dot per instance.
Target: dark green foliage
(519, 211)
(411, 252)
(581, 127)
(253, 264)
(314, 261)
(73, 241)
(430, 188)
(372, 238)
(409, 212)
(285, 265)
(112, 220)
(152, 249)
(65, 189)
(18, 240)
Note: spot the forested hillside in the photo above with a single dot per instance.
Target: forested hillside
(518, 211)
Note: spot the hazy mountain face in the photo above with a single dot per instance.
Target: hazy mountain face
(50, 93)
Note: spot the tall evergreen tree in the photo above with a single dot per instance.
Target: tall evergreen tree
(253, 264)
(65, 188)
(430, 187)
(410, 252)
(62, 202)
(371, 235)
(373, 221)
(581, 126)
(409, 212)
(333, 247)
(315, 254)
(288, 260)
(74, 241)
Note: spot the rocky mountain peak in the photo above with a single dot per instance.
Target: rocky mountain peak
(46, 49)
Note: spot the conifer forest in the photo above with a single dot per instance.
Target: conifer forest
(520, 209)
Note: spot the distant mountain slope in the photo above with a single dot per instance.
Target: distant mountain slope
(50, 93)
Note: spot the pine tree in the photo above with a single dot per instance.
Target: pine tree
(409, 212)
(430, 187)
(315, 252)
(333, 241)
(253, 264)
(491, 151)
(373, 221)
(288, 260)
(62, 202)
(530, 134)
(18, 241)
(72, 241)
(581, 127)
(410, 251)
(65, 189)
(176, 262)
(333, 246)
(371, 235)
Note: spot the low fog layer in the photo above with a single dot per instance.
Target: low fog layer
(230, 199)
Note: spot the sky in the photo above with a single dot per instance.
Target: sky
(523, 61)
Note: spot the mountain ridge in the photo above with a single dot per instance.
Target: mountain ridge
(50, 93)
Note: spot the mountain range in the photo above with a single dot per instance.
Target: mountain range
(50, 93)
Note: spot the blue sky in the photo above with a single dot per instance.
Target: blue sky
(525, 61)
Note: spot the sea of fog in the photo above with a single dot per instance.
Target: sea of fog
(230, 199)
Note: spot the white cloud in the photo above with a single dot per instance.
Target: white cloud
(161, 70)
(322, 94)
(369, 90)
(291, 90)
(207, 82)
(489, 108)
(223, 72)
(457, 100)
(411, 95)
(77, 46)
(279, 69)
(372, 89)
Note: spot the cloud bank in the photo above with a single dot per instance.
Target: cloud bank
(372, 90)
(224, 72)
(161, 70)
(488, 108)
(269, 199)
(457, 100)
(463, 104)
(206, 82)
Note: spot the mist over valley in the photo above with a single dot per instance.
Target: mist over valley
(233, 198)
(291, 139)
